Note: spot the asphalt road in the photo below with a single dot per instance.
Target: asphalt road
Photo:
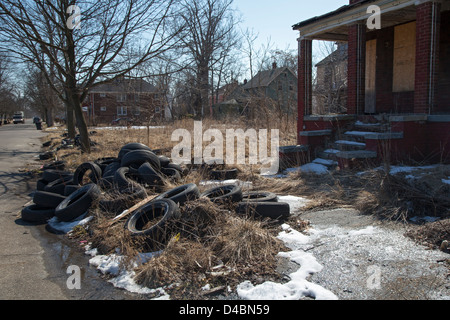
(34, 261)
(22, 271)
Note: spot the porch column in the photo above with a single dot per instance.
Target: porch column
(356, 70)
(428, 14)
(304, 82)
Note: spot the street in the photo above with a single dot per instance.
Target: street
(22, 271)
(33, 260)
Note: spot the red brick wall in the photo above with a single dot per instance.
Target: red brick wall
(304, 82)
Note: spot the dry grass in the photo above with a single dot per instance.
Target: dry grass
(220, 248)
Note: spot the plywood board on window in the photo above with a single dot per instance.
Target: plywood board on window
(404, 57)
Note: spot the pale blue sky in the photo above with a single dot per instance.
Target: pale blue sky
(275, 18)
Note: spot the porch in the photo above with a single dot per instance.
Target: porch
(398, 102)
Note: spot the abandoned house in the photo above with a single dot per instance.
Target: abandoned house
(135, 101)
(272, 90)
(398, 81)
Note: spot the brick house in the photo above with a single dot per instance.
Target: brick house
(133, 99)
(398, 78)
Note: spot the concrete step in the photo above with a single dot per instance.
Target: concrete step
(347, 145)
(330, 164)
(357, 154)
(372, 127)
(329, 154)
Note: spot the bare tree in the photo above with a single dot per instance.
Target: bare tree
(209, 33)
(84, 52)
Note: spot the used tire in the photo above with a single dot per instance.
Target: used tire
(41, 184)
(111, 169)
(154, 221)
(224, 174)
(150, 176)
(181, 194)
(125, 177)
(224, 193)
(130, 147)
(52, 175)
(55, 165)
(136, 158)
(164, 161)
(59, 185)
(96, 173)
(69, 189)
(37, 214)
(47, 199)
(104, 162)
(123, 201)
(171, 173)
(273, 210)
(259, 196)
(77, 203)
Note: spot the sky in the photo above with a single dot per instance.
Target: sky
(274, 19)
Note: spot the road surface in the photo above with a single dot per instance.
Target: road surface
(33, 261)
(22, 271)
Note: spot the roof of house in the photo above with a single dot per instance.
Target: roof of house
(340, 54)
(332, 13)
(126, 85)
(264, 78)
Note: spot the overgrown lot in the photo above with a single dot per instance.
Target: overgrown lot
(213, 245)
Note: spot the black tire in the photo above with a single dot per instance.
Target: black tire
(77, 203)
(259, 196)
(165, 212)
(47, 199)
(170, 173)
(123, 201)
(69, 189)
(181, 194)
(106, 182)
(37, 214)
(55, 165)
(225, 193)
(164, 161)
(111, 169)
(52, 175)
(105, 162)
(273, 210)
(224, 174)
(136, 158)
(59, 185)
(125, 177)
(96, 173)
(130, 147)
(41, 184)
(150, 176)
(176, 167)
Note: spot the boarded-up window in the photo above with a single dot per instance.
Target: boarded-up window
(404, 57)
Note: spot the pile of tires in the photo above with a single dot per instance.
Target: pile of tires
(112, 183)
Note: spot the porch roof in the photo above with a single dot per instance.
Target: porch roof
(333, 25)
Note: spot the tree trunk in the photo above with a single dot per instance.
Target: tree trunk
(81, 123)
(70, 122)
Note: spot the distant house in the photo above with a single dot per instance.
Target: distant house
(398, 75)
(276, 88)
(330, 87)
(133, 99)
